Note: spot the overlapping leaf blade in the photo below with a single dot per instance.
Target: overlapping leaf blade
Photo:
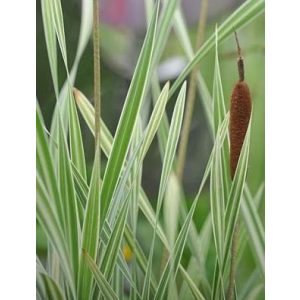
(121, 262)
(199, 277)
(100, 279)
(114, 242)
(106, 143)
(254, 227)
(50, 38)
(67, 192)
(166, 170)
(165, 23)
(76, 145)
(90, 230)
(88, 113)
(51, 289)
(219, 115)
(143, 202)
(128, 117)
(45, 167)
(232, 208)
(155, 119)
(174, 260)
(218, 96)
(171, 208)
(82, 190)
(193, 287)
(234, 200)
(217, 202)
(53, 20)
(56, 22)
(47, 217)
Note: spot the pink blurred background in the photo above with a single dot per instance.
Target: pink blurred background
(131, 13)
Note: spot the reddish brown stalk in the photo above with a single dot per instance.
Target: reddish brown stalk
(240, 111)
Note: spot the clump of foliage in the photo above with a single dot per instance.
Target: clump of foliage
(88, 222)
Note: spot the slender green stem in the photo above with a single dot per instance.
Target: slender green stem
(191, 94)
(97, 77)
(233, 263)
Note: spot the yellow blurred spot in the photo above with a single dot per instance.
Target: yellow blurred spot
(127, 253)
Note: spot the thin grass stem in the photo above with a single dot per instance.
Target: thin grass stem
(191, 94)
(233, 263)
(97, 74)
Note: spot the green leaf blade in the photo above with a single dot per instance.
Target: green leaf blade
(67, 191)
(90, 230)
(114, 241)
(45, 166)
(76, 143)
(232, 208)
(100, 279)
(50, 37)
(128, 117)
(47, 217)
(166, 170)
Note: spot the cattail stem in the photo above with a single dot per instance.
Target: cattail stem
(240, 111)
(233, 263)
(97, 77)
(240, 59)
(191, 95)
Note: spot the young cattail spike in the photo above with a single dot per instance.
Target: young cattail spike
(240, 111)
(240, 60)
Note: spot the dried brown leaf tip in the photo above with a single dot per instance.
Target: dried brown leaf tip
(240, 111)
(76, 94)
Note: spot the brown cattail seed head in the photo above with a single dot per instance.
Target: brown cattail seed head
(240, 111)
